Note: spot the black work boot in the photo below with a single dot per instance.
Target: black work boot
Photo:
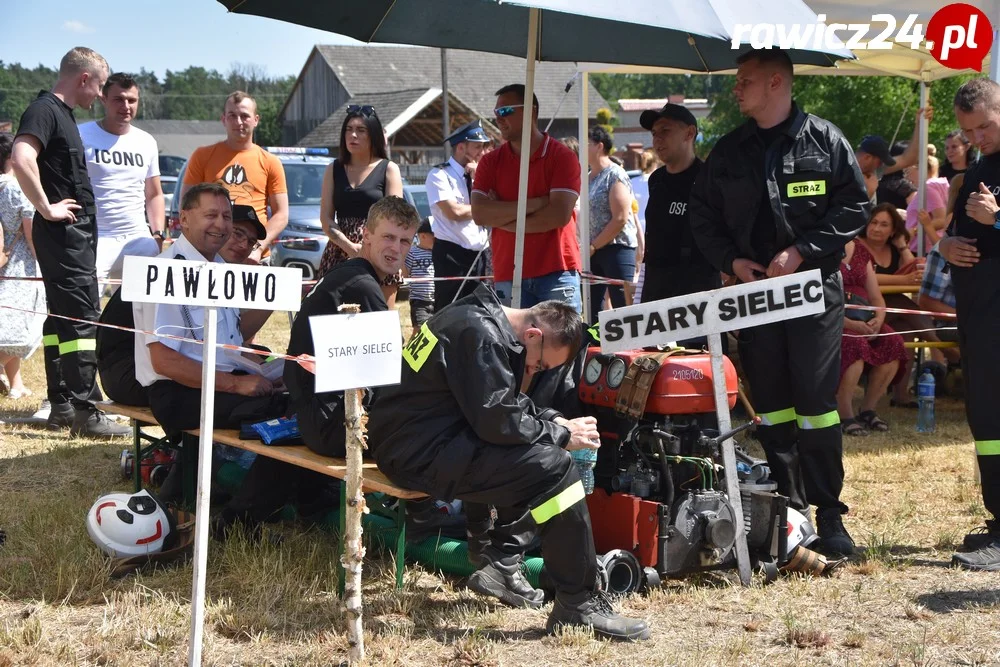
(92, 423)
(981, 536)
(594, 610)
(60, 416)
(834, 539)
(985, 559)
(500, 576)
(423, 520)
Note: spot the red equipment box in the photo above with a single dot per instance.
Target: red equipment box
(683, 383)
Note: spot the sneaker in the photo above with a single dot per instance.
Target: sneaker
(984, 559)
(594, 610)
(92, 423)
(60, 416)
(834, 538)
(501, 577)
(42, 413)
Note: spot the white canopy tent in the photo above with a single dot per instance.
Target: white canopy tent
(900, 60)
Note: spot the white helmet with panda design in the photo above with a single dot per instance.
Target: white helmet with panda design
(124, 525)
(800, 531)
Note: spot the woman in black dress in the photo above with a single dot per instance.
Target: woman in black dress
(358, 178)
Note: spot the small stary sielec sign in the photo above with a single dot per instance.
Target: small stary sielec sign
(715, 311)
(356, 350)
(210, 284)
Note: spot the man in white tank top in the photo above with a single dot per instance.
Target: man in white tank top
(123, 165)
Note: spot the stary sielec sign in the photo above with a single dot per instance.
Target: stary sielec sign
(715, 311)
(210, 284)
(356, 350)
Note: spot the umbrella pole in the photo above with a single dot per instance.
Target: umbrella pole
(995, 51)
(922, 165)
(522, 183)
(583, 219)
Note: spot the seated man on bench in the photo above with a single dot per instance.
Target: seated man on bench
(171, 369)
(270, 484)
(116, 348)
(457, 426)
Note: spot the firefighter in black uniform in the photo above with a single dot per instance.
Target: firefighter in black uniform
(750, 221)
(972, 249)
(457, 426)
(48, 161)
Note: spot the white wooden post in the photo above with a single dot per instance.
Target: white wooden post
(729, 455)
(204, 487)
(354, 551)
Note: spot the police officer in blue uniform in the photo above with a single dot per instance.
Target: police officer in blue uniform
(460, 245)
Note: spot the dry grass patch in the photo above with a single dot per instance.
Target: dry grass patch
(912, 498)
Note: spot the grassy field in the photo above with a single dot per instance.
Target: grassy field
(912, 498)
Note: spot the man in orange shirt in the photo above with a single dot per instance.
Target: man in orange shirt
(253, 176)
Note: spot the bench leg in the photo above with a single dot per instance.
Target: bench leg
(342, 516)
(137, 467)
(400, 542)
(189, 468)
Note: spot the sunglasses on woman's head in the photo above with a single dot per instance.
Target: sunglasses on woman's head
(503, 112)
(365, 110)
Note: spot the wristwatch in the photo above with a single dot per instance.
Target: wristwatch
(158, 234)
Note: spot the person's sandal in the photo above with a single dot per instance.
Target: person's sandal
(872, 421)
(910, 404)
(852, 427)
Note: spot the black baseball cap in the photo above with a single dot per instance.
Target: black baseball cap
(877, 146)
(244, 213)
(669, 110)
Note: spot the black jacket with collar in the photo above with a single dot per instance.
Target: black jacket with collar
(816, 194)
(459, 389)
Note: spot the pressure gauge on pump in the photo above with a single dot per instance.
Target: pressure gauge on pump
(616, 372)
(592, 373)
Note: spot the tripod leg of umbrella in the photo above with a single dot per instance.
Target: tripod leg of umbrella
(522, 184)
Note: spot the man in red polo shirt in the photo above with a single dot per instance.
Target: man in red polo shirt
(551, 251)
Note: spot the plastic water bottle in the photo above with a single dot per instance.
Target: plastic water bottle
(585, 460)
(925, 399)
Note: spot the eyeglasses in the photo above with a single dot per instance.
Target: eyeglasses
(503, 112)
(365, 110)
(542, 366)
(241, 236)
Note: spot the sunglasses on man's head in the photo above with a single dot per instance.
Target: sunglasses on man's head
(365, 110)
(503, 112)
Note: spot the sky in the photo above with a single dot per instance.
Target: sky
(155, 35)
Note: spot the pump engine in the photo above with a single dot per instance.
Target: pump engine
(660, 488)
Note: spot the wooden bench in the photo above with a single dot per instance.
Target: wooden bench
(899, 289)
(373, 480)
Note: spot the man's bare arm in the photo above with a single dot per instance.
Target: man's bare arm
(492, 213)
(454, 211)
(155, 210)
(24, 160)
(553, 215)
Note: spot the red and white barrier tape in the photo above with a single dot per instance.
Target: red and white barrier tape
(307, 361)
